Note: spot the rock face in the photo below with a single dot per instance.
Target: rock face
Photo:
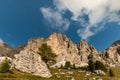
(64, 48)
(87, 52)
(30, 62)
(5, 50)
(112, 54)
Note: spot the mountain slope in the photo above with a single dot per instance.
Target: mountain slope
(6, 50)
(112, 54)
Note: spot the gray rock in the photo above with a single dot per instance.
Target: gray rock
(99, 72)
(30, 62)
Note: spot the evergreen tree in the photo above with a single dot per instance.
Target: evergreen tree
(46, 53)
(91, 65)
(67, 64)
(100, 65)
(4, 66)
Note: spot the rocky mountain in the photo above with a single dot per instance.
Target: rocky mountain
(27, 59)
(19, 48)
(64, 48)
(5, 50)
(88, 52)
(112, 54)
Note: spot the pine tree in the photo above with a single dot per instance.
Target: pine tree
(4, 66)
(46, 53)
(91, 65)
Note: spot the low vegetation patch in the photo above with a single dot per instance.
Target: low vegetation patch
(59, 74)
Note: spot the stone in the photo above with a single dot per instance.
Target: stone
(30, 62)
(59, 64)
(99, 72)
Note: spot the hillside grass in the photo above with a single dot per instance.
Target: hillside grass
(59, 74)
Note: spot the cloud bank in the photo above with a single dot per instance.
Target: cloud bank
(92, 15)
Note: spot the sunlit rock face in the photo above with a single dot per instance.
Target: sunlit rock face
(112, 54)
(87, 52)
(64, 48)
(30, 62)
(5, 50)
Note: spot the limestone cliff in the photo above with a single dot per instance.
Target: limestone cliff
(87, 52)
(64, 48)
(5, 50)
(30, 62)
(112, 54)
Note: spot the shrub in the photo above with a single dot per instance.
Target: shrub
(68, 64)
(100, 66)
(5, 66)
(91, 66)
(111, 74)
(46, 53)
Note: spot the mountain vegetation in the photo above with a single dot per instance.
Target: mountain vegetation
(46, 53)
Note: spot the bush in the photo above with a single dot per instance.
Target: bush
(96, 66)
(46, 53)
(4, 66)
(111, 74)
(100, 66)
(91, 66)
(68, 64)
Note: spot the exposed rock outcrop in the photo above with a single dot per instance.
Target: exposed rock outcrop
(87, 52)
(112, 54)
(5, 50)
(64, 48)
(99, 72)
(30, 62)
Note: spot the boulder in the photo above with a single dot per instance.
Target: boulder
(30, 62)
(99, 72)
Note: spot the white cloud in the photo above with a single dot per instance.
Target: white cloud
(99, 13)
(55, 19)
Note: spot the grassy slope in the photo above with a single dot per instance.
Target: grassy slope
(58, 74)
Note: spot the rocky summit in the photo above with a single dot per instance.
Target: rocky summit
(27, 59)
(112, 54)
(87, 52)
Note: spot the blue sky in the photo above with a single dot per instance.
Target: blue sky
(97, 22)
